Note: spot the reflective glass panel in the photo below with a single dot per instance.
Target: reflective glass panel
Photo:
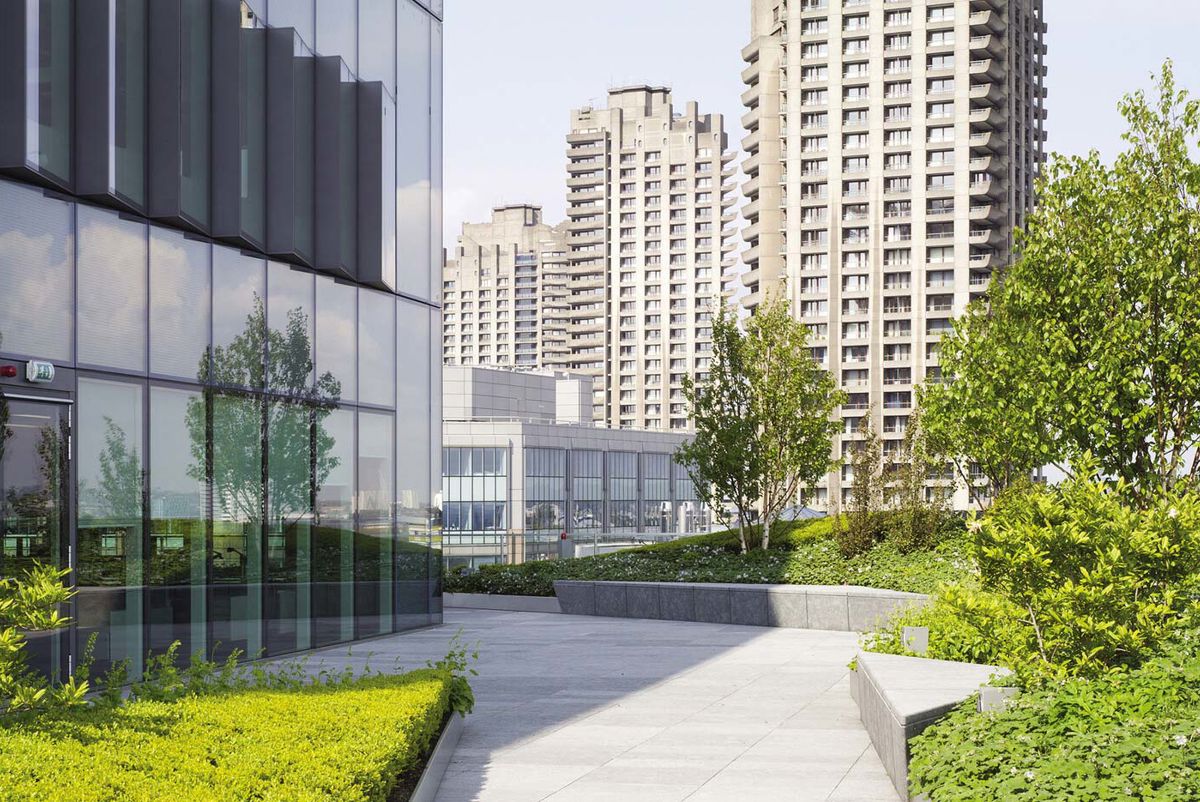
(377, 42)
(129, 100)
(109, 541)
(37, 247)
(373, 549)
(291, 315)
(181, 295)
(377, 348)
(195, 72)
(234, 600)
(289, 524)
(413, 157)
(239, 318)
(112, 290)
(177, 564)
(296, 14)
(337, 33)
(333, 533)
(413, 438)
(48, 97)
(337, 333)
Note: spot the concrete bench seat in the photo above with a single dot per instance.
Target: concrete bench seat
(899, 697)
(843, 608)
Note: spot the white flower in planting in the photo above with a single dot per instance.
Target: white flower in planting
(1180, 740)
(1172, 513)
(1029, 775)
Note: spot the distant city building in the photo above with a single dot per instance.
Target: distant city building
(892, 149)
(505, 293)
(649, 228)
(526, 474)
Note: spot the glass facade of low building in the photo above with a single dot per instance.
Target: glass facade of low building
(235, 441)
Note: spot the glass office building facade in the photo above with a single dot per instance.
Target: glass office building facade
(219, 361)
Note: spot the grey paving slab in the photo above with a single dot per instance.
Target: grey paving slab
(589, 708)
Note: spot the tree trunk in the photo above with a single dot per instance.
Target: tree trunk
(742, 532)
(766, 540)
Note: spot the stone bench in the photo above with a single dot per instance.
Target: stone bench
(842, 608)
(898, 697)
(513, 604)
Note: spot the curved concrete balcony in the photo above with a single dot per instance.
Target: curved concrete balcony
(989, 66)
(989, 188)
(986, 20)
(986, 91)
(982, 211)
(988, 117)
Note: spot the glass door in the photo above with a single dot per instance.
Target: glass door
(33, 503)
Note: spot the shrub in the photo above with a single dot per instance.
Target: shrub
(1128, 735)
(1098, 584)
(806, 555)
(31, 602)
(345, 741)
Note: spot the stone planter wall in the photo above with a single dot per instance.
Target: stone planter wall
(840, 608)
(487, 601)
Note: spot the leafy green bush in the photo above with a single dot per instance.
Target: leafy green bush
(1099, 584)
(965, 624)
(1072, 582)
(1126, 735)
(805, 554)
(31, 602)
(343, 741)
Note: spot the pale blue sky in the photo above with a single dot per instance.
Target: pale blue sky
(515, 68)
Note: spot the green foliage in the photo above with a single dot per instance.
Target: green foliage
(917, 523)
(864, 524)
(1132, 735)
(31, 603)
(456, 666)
(1099, 583)
(792, 400)
(1072, 582)
(342, 741)
(800, 554)
(1090, 342)
(721, 458)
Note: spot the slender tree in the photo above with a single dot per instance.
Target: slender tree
(1090, 342)
(792, 400)
(722, 459)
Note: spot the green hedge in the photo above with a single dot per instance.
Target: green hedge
(801, 554)
(347, 742)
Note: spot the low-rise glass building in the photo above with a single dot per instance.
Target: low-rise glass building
(219, 375)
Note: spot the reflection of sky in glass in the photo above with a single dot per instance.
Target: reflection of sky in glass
(334, 498)
(377, 348)
(179, 312)
(413, 176)
(99, 403)
(336, 334)
(413, 405)
(112, 290)
(35, 271)
(374, 462)
(237, 281)
(173, 493)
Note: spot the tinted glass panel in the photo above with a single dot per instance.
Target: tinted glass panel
(129, 100)
(337, 330)
(373, 543)
(109, 496)
(377, 348)
(413, 174)
(112, 290)
(296, 14)
(292, 318)
(289, 526)
(239, 318)
(413, 414)
(181, 294)
(333, 534)
(253, 135)
(377, 42)
(37, 249)
(235, 604)
(336, 32)
(195, 59)
(48, 90)
(177, 562)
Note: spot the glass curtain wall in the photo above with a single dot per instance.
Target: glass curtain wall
(587, 495)
(656, 493)
(622, 491)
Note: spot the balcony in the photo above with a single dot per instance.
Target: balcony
(989, 67)
(989, 21)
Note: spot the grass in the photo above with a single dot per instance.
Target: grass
(801, 553)
(350, 742)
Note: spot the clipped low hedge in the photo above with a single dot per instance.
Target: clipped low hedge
(348, 742)
(800, 554)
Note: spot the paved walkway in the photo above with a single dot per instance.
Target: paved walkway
(583, 708)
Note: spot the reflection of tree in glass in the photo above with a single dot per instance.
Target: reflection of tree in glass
(292, 417)
(35, 512)
(110, 516)
(5, 432)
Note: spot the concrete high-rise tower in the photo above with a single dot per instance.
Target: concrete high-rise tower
(892, 149)
(504, 294)
(650, 232)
